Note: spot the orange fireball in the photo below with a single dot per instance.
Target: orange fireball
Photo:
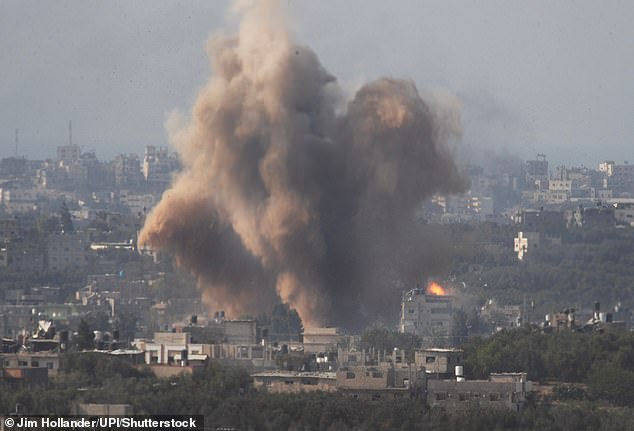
(434, 288)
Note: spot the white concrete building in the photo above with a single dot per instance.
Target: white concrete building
(139, 203)
(524, 242)
(426, 314)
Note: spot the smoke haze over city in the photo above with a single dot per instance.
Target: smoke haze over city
(333, 215)
(552, 79)
(282, 197)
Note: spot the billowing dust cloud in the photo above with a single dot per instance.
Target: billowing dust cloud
(286, 196)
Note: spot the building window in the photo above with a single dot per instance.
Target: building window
(494, 396)
(430, 359)
(377, 375)
(440, 310)
(49, 365)
(441, 396)
(350, 375)
(35, 364)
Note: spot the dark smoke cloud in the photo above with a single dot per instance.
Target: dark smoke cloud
(282, 198)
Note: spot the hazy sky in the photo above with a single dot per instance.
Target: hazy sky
(541, 76)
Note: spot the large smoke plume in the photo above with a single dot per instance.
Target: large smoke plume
(284, 197)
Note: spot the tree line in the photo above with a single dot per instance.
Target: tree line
(225, 397)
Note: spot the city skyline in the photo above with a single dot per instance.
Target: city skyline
(530, 78)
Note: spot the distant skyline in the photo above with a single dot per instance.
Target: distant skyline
(547, 77)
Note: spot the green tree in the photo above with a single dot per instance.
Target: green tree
(66, 220)
(612, 384)
(283, 323)
(85, 336)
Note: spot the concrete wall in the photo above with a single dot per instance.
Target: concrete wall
(48, 361)
(166, 371)
(456, 395)
(103, 409)
(364, 378)
(320, 340)
(172, 337)
(423, 314)
(439, 360)
(240, 331)
(294, 382)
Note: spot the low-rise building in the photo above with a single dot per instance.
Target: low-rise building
(501, 316)
(177, 348)
(321, 340)
(439, 362)
(383, 381)
(240, 331)
(46, 360)
(501, 390)
(295, 381)
(28, 378)
(167, 348)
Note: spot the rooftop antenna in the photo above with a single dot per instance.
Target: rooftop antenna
(17, 140)
(70, 132)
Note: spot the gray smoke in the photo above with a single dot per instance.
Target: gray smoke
(281, 198)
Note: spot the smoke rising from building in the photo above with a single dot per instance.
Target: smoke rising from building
(282, 196)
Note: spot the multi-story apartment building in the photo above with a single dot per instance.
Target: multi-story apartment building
(127, 170)
(64, 251)
(617, 177)
(425, 313)
(158, 166)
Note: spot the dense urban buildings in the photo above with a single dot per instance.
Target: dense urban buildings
(68, 232)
